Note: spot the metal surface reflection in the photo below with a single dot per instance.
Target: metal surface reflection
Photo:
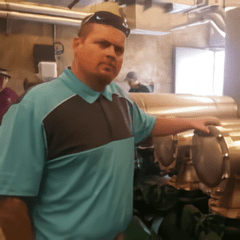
(217, 163)
(174, 153)
(179, 105)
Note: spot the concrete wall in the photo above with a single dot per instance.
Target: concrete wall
(16, 49)
(150, 56)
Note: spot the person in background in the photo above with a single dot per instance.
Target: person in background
(7, 95)
(67, 149)
(134, 84)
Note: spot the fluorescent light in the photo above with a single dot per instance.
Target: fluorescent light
(147, 32)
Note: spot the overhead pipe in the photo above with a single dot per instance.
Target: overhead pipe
(212, 14)
(37, 18)
(35, 9)
(53, 15)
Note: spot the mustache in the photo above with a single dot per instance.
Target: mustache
(109, 63)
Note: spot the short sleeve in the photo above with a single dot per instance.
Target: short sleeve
(143, 123)
(22, 151)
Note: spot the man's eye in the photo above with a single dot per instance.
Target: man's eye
(103, 44)
(119, 50)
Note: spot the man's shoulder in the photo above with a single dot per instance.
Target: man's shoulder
(44, 89)
(45, 94)
(143, 88)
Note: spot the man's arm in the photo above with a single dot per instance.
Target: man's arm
(15, 222)
(169, 126)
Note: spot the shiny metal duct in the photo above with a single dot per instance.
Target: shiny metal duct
(216, 159)
(160, 15)
(225, 198)
(177, 105)
(176, 151)
(216, 155)
(165, 149)
(173, 153)
(169, 148)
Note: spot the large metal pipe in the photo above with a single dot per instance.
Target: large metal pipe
(179, 105)
(167, 148)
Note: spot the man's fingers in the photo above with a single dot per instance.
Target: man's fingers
(212, 121)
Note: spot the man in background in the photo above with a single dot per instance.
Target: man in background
(134, 83)
(7, 95)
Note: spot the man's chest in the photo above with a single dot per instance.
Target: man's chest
(76, 126)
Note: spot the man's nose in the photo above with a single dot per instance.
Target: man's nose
(111, 51)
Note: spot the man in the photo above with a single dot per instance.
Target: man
(134, 84)
(70, 143)
(7, 95)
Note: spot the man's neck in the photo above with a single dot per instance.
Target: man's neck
(92, 82)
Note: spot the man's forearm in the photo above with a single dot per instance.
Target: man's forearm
(170, 126)
(15, 222)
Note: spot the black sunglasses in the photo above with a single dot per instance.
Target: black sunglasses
(108, 18)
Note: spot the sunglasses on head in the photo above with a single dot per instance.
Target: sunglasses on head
(108, 18)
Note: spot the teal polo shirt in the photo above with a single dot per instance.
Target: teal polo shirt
(73, 149)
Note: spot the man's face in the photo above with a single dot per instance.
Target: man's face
(100, 55)
(133, 83)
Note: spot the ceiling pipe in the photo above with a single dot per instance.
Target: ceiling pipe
(52, 15)
(35, 9)
(13, 16)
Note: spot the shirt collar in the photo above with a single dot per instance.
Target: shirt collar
(108, 92)
(83, 89)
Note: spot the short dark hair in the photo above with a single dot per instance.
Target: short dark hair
(106, 18)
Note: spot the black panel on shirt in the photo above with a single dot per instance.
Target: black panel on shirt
(75, 125)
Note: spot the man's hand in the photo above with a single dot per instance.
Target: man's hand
(15, 222)
(2, 237)
(202, 123)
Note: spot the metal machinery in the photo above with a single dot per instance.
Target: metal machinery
(204, 168)
(181, 105)
(174, 153)
(216, 161)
